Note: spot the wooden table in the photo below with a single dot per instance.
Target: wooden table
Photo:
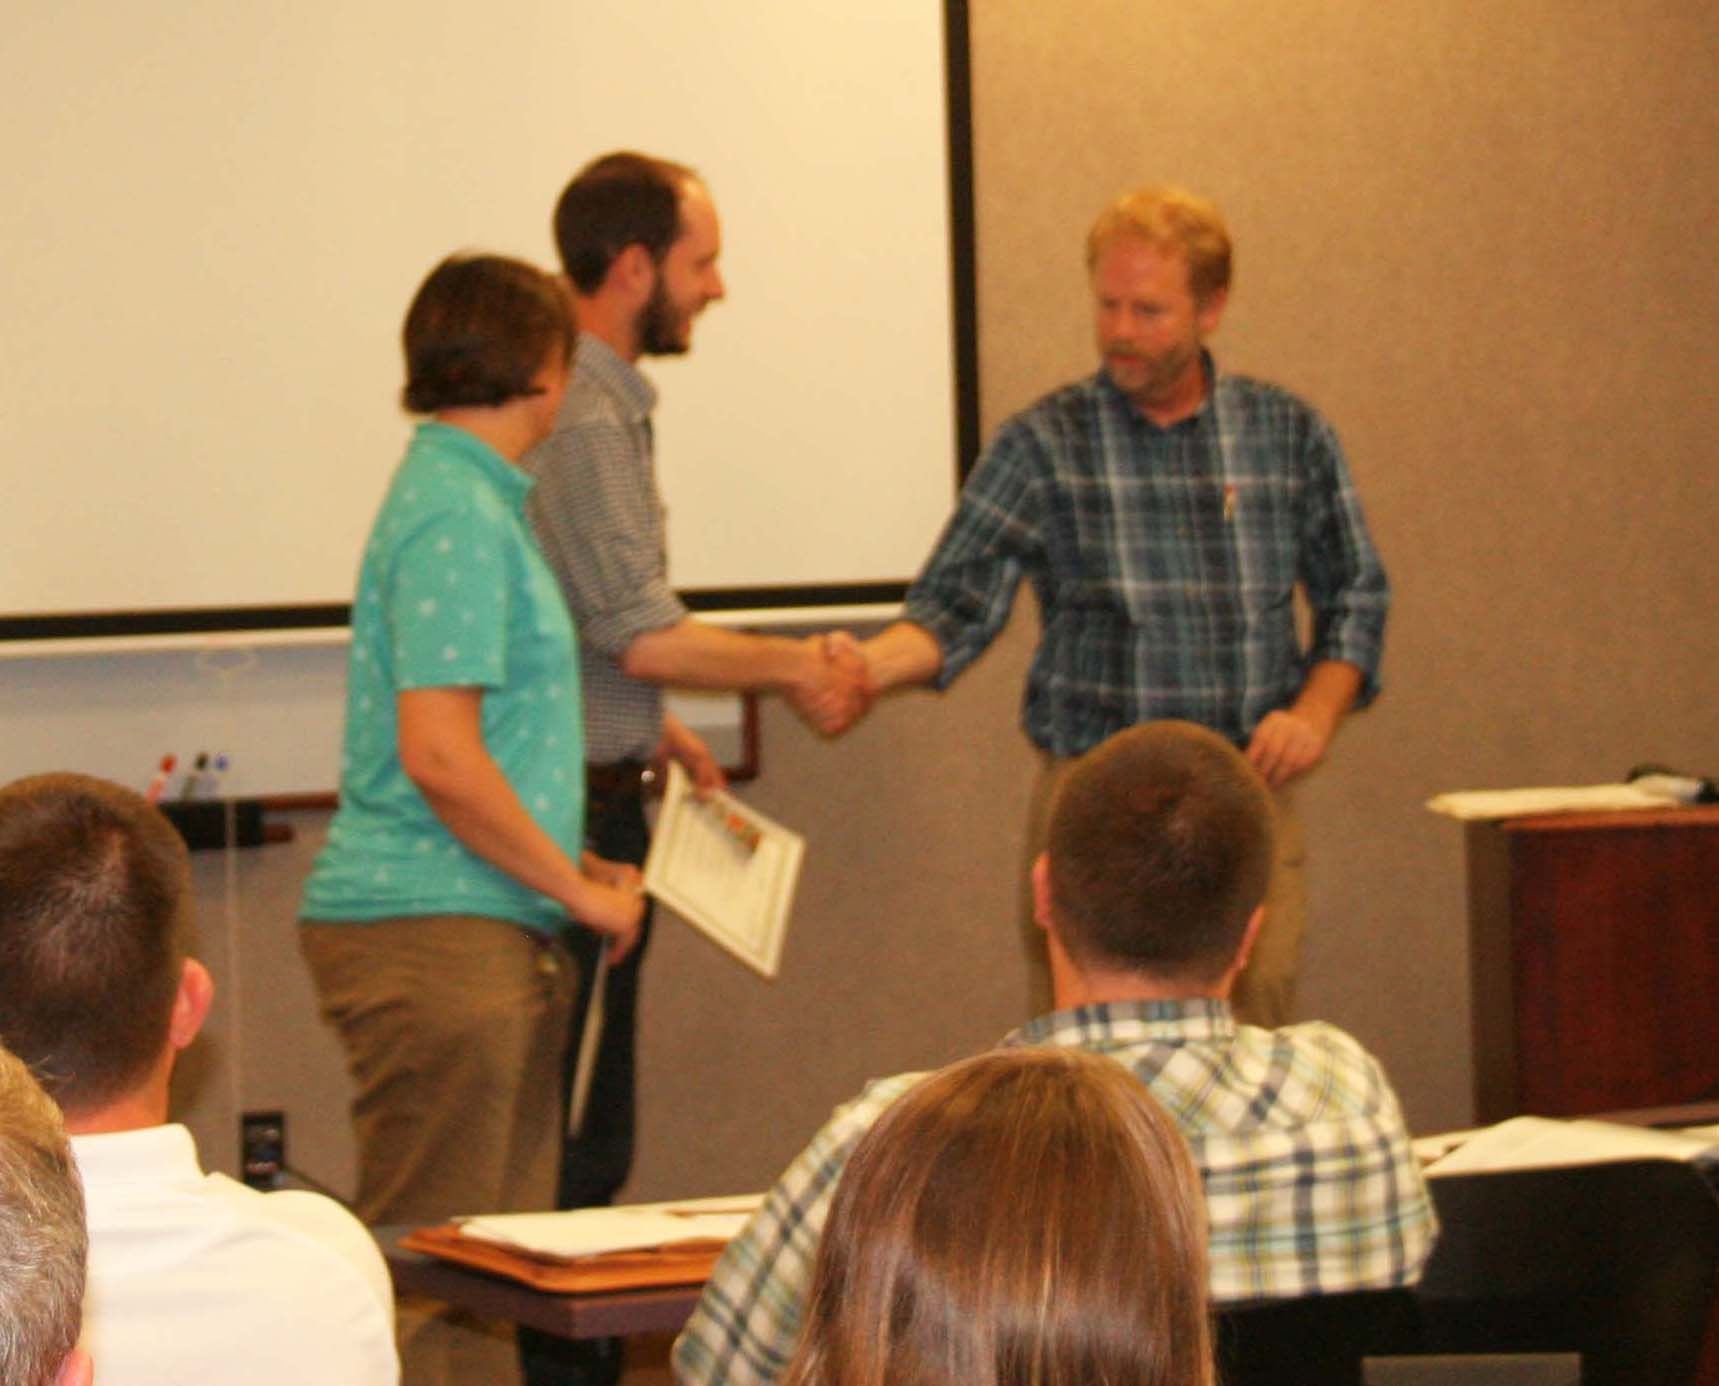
(624, 1312)
(611, 1315)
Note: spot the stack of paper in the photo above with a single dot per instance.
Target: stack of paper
(586, 1232)
(594, 1250)
(1522, 803)
(1542, 1143)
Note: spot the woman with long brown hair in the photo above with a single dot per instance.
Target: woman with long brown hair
(1030, 1217)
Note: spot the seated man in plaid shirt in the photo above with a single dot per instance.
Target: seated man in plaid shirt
(1149, 892)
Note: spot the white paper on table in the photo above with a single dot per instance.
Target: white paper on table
(1436, 1147)
(1528, 1142)
(726, 869)
(1471, 804)
(583, 1232)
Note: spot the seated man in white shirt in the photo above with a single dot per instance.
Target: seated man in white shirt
(42, 1242)
(192, 1277)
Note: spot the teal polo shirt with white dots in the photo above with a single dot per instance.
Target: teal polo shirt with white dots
(452, 593)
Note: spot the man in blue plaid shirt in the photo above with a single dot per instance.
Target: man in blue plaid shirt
(1165, 513)
(1160, 846)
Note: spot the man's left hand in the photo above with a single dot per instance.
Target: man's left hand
(680, 742)
(1286, 743)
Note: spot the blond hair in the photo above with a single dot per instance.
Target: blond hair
(1171, 218)
(43, 1245)
(1030, 1217)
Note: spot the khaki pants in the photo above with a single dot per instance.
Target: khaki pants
(453, 1027)
(1265, 992)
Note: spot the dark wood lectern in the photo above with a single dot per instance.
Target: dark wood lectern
(1594, 944)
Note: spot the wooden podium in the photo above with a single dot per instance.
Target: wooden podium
(1594, 959)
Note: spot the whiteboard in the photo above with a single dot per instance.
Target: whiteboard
(216, 215)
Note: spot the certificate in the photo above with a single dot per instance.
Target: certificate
(725, 868)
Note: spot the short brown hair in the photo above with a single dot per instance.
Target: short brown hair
(479, 328)
(43, 1244)
(619, 200)
(95, 920)
(1160, 844)
(1028, 1216)
(1173, 218)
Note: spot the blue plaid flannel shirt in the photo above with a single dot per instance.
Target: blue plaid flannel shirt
(1164, 559)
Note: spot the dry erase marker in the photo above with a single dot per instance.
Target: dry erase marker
(214, 781)
(194, 776)
(159, 783)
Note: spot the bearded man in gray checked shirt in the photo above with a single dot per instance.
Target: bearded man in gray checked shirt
(639, 240)
(1165, 513)
(1160, 846)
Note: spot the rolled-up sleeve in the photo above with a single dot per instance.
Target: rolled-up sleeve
(597, 521)
(1345, 579)
(967, 588)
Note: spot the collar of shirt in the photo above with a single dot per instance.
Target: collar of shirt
(1197, 1018)
(145, 1156)
(456, 445)
(596, 360)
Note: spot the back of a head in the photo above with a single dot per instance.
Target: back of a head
(94, 922)
(1160, 845)
(42, 1240)
(619, 200)
(1026, 1218)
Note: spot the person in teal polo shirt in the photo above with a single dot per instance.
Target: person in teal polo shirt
(433, 920)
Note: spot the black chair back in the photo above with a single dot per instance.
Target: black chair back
(1318, 1340)
(1615, 1261)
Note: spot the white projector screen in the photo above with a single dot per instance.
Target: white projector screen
(217, 213)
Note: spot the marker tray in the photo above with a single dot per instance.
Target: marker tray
(203, 822)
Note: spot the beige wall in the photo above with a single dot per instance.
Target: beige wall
(1480, 237)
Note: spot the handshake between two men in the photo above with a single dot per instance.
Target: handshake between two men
(835, 690)
(845, 676)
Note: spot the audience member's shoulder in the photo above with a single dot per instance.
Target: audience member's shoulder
(322, 1232)
(856, 1116)
(1326, 1069)
(1323, 1038)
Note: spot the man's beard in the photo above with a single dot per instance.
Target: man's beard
(660, 330)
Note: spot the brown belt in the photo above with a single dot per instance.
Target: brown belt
(625, 779)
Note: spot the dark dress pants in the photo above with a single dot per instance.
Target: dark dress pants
(595, 1165)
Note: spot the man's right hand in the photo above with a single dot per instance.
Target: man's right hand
(835, 692)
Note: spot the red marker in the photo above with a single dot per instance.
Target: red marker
(159, 783)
